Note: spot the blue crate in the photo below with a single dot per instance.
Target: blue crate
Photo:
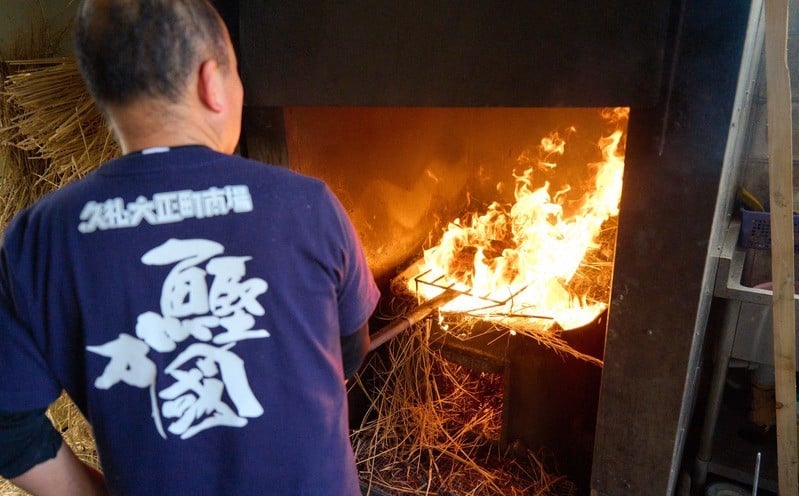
(756, 230)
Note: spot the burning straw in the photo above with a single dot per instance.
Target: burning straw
(544, 259)
(433, 427)
(464, 326)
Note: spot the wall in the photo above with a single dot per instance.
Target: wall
(671, 178)
(22, 18)
(22, 21)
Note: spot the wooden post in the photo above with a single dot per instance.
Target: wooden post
(778, 97)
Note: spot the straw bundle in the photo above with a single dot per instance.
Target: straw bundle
(50, 131)
(433, 427)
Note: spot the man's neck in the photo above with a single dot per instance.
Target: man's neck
(138, 127)
(162, 142)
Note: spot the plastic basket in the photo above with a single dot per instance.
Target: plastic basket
(756, 230)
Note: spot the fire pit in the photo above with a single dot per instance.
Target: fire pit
(518, 293)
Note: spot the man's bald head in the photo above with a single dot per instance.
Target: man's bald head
(129, 49)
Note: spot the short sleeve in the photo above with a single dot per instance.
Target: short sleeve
(26, 381)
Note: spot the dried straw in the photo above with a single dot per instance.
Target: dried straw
(75, 429)
(433, 427)
(51, 133)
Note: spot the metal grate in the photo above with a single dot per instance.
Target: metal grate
(427, 278)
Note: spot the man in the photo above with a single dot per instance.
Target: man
(201, 309)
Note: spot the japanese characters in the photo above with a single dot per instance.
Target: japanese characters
(201, 322)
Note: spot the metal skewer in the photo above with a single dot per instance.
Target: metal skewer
(398, 325)
(757, 475)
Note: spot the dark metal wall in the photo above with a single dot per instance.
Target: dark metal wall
(450, 53)
(670, 186)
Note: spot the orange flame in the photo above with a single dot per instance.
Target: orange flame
(518, 260)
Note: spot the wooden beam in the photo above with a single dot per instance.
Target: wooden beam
(778, 99)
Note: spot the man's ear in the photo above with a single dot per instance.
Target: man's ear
(209, 86)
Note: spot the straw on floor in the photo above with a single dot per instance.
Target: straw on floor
(432, 427)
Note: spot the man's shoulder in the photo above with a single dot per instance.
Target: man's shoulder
(282, 171)
(284, 177)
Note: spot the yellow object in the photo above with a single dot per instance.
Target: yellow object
(749, 200)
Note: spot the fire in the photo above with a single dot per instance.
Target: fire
(517, 261)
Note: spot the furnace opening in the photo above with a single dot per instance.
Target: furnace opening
(501, 224)
(405, 173)
(515, 209)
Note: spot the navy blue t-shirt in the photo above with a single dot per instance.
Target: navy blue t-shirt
(191, 303)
